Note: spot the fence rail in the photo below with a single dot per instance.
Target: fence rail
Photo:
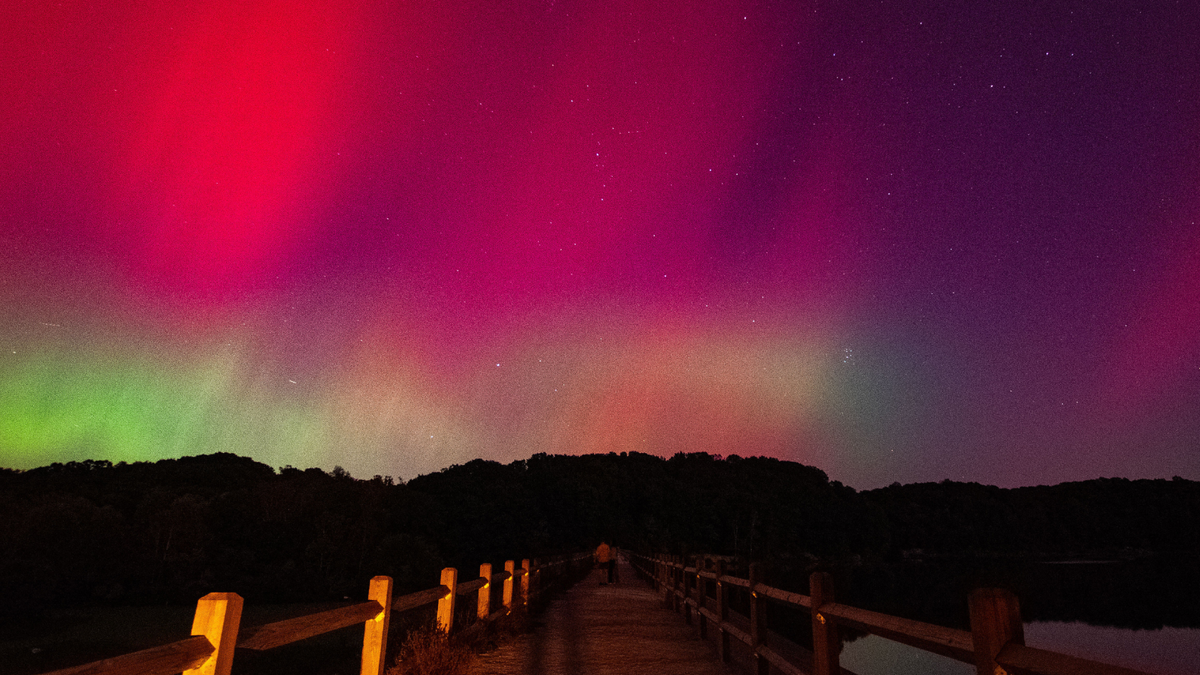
(215, 627)
(995, 645)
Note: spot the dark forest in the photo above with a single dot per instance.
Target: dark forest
(170, 531)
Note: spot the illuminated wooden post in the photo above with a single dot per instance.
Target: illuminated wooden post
(722, 612)
(484, 608)
(445, 611)
(827, 644)
(511, 568)
(217, 618)
(376, 630)
(995, 622)
(758, 620)
(525, 584)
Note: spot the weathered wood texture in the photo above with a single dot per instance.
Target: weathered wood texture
(956, 644)
(995, 644)
(375, 629)
(218, 616)
(995, 622)
(271, 635)
(612, 628)
(171, 658)
(419, 599)
(445, 608)
(827, 644)
(1022, 660)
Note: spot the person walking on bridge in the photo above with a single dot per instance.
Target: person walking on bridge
(604, 560)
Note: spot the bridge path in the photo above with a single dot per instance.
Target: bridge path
(594, 629)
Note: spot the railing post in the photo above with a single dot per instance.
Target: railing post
(674, 583)
(375, 632)
(687, 593)
(217, 618)
(535, 579)
(995, 622)
(702, 597)
(722, 612)
(758, 620)
(445, 611)
(511, 568)
(525, 584)
(827, 644)
(484, 605)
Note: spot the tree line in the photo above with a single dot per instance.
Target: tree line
(172, 530)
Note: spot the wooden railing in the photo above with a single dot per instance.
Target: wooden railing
(215, 628)
(995, 645)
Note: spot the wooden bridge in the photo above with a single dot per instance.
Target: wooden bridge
(627, 628)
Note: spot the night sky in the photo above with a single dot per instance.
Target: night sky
(899, 241)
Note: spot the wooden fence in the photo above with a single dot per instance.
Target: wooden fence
(995, 645)
(215, 628)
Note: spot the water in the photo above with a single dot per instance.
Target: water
(1165, 651)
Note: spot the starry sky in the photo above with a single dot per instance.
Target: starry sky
(899, 241)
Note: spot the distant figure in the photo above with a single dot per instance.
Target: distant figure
(604, 558)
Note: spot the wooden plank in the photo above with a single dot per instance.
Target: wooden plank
(168, 659)
(736, 581)
(733, 631)
(1024, 660)
(794, 660)
(784, 596)
(956, 644)
(271, 635)
(419, 599)
(471, 586)
(780, 663)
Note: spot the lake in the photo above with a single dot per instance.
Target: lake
(1141, 613)
(1165, 651)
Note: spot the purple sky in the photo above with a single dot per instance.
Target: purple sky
(899, 241)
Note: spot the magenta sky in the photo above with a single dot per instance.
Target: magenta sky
(900, 242)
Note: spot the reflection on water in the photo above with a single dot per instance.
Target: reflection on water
(874, 655)
(1142, 613)
(1144, 593)
(1167, 651)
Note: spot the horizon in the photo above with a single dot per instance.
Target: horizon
(399, 480)
(900, 244)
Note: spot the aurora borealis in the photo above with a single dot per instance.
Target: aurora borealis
(896, 241)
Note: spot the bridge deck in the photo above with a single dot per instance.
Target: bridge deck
(595, 629)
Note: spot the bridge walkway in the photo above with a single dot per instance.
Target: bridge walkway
(594, 629)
